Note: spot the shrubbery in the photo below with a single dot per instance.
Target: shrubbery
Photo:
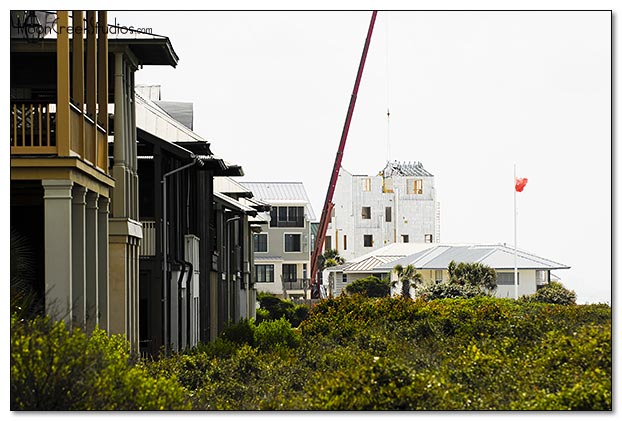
(352, 353)
(552, 293)
(371, 286)
(275, 308)
(55, 369)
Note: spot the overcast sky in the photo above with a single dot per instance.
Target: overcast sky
(470, 95)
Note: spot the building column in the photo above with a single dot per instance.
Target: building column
(78, 253)
(58, 250)
(118, 169)
(92, 309)
(102, 262)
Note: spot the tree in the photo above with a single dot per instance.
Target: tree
(473, 274)
(371, 286)
(330, 258)
(407, 275)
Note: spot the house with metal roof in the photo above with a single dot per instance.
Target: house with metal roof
(398, 205)
(283, 248)
(432, 262)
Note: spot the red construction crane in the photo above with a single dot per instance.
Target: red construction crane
(328, 202)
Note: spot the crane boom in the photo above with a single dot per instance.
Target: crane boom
(328, 202)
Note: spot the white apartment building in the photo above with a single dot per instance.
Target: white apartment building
(283, 249)
(398, 205)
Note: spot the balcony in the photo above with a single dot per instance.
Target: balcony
(296, 284)
(33, 132)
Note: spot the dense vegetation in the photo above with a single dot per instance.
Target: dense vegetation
(351, 353)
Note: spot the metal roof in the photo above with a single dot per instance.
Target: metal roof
(498, 256)
(282, 193)
(234, 204)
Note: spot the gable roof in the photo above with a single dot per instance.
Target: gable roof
(497, 256)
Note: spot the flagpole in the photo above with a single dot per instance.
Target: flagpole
(515, 247)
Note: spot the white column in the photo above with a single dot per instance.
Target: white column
(78, 281)
(92, 309)
(57, 239)
(102, 262)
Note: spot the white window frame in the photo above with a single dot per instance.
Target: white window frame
(267, 242)
(284, 243)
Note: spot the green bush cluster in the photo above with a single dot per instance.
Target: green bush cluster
(553, 293)
(351, 353)
(371, 286)
(275, 308)
(53, 368)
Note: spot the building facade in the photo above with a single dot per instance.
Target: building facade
(396, 206)
(283, 248)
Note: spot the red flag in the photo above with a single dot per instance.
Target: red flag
(520, 184)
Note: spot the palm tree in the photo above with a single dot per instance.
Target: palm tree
(406, 275)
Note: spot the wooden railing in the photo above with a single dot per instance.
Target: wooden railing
(33, 132)
(148, 243)
(33, 128)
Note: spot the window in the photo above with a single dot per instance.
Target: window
(260, 242)
(328, 243)
(366, 183)
(282, 213)
(438, 276)
(387, 214)
(405, 238)
(368, 240)
(264, 273)
(387, 185)
(292, 243)
(290, 272)
(287, 216)
(344, 278)
(345, 242)
(415, 186)
(506, 278)
(366, 212)
(427, 238)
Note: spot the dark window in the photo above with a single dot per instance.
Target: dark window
(287, 216)
(264, 273)
(328, 243)
(366, 212)
(344, 278)
(405, 238)
(292, 243)
(290, 272)
(427, 238)
(345, 242)
(506, 278)
(368, 240)
(261, 242)
(387, 214)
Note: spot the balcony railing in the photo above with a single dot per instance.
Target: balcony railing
(33, 132)
(33, 128)
(148, 243)
(296, 284)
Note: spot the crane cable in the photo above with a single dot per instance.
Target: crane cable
(387, 86)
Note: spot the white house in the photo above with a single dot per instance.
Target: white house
(432, 262)
(398, 205)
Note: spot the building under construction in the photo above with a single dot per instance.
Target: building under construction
(396, 206)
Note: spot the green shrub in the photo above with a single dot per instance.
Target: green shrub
(553, 293)
(449, 290)
(370, 287)
(242, 332)
(53, 368)
(275, 333)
